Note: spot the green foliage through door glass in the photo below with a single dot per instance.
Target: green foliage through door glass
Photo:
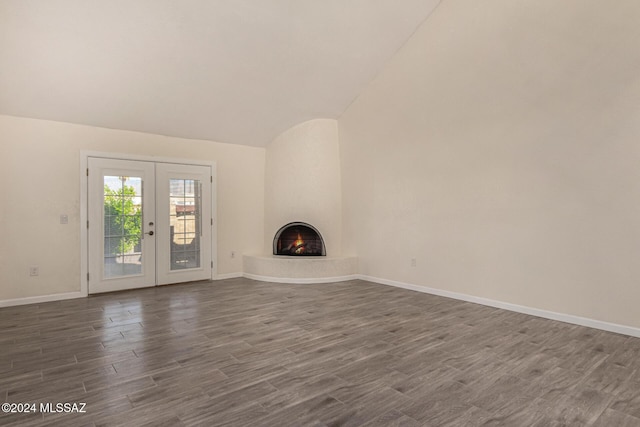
(123, 219)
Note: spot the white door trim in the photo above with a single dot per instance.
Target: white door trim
(84, 204)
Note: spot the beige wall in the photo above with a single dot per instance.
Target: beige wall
(302, 182)
(500, 148)
(40, 173)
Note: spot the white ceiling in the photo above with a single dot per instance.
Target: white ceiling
(236, 71)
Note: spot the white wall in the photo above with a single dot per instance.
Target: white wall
(302, 182)
(40, 176)
(500, 148)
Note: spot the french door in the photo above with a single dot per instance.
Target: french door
(149, 224)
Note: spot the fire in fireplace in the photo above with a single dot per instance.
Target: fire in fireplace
(298, 239)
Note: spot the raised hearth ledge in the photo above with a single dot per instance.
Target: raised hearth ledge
(292, 269)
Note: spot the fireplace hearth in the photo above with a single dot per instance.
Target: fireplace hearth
(298, 239)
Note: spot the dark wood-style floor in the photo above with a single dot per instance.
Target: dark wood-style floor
(245, 353)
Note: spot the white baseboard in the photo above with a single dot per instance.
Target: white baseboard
(567, 318)
(228, 276)
(300, 280)
(562, 317)
(40, 299)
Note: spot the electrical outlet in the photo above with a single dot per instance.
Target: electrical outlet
(233, 254)
(34, 271)
(64, 219)
(413, 262)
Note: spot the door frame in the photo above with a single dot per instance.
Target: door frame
(84, 204)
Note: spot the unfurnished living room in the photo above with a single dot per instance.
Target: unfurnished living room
(322, 213)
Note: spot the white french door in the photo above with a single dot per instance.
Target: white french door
(149, 224)
(184, 222)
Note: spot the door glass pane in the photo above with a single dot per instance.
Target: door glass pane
(185, 222)
(122, 226)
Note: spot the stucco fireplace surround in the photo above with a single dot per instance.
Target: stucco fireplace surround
(299, 256)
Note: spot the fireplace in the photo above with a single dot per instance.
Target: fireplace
(298, 239)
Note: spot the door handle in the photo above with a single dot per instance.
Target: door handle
(150, 233)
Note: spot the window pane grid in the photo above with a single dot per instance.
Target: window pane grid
(184, 217)
(122, 198)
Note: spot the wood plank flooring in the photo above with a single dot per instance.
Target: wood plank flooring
(245, 353)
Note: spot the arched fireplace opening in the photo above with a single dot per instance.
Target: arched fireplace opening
(298, 239)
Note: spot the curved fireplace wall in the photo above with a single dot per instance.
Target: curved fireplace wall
(298, 239)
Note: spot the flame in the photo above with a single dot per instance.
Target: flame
(298, 243)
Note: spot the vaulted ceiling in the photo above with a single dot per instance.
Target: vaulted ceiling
(235, 71)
